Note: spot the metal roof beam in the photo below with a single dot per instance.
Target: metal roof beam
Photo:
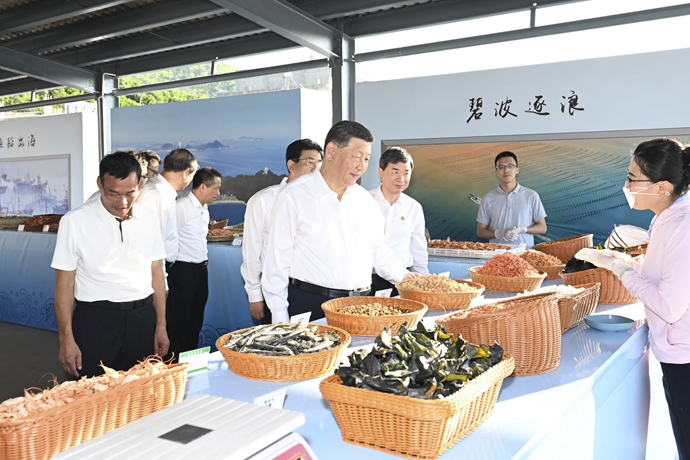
(132, 21)
(31, 15)
(532, 32)
(49, 70)
(47, 102)
(290, 22)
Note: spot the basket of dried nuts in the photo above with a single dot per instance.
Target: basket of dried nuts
(440, 292)
(371, 315)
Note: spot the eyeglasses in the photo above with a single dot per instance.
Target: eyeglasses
(153, 171)
(310, 161)
(505, 167)
(628, 179)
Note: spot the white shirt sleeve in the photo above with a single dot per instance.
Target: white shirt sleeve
(279, 254)
(420, 255)
(252, 245)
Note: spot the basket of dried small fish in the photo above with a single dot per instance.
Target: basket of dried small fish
(565, 248)
(369, 316)
(283, 352)
(507, 272)
(440, 292)
(39, 425)
(529, 327)
(416, 395)
(551, 265)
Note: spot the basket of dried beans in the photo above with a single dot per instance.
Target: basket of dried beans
(283, 352)
(507, 272)
(528, 327)
(369, 316)
(565, 248)
(440, 292)
(39, 425)
(450, 389)
(543, 262)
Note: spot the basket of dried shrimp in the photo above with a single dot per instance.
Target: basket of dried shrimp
(527, 327)
(369, 316)
(410, 427)
(440, 292)
(314, 350)
(39, 425)
(543, 262)
(612, 291)
(565, 248)
(507, 272)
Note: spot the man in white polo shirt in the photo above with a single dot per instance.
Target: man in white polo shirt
(326, 232)
(108, 257)
(159, 195)
(301, 157)
(188, 276)
(403, 216)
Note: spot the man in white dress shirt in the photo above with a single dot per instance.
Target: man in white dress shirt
(402, 214)
(159, 195)
(108, 257)
(188, 276)
(510, 213)
(301, 157)
(327, 232)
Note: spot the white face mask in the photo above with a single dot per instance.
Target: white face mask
(630, 195)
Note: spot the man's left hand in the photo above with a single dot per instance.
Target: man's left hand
(161, 342)
(513, 233)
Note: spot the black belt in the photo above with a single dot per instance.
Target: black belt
(196, 264)
(327, 292)
(131, 305)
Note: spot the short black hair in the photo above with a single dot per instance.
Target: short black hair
(395, 155)
(295, 149)
(179, 160)
(504, 155)
(120, 165)
(150, 155)
(206, 176)
(342, 133)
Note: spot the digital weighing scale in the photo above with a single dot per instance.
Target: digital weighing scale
(202, 427)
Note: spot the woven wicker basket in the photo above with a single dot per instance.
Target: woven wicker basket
(285, 368)
(506, 283)
(42, 435)
(574, 309)
(612, 290)
(373, 325)
(530, 330)
(411, 427)
(565, 248)
(443, 300)
(552, 271)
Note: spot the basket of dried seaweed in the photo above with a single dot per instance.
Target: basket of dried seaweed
(369, 316)
(283, 352)
(440, 292)
(416, 394)
(612, 290)
(529, 327)
(507, 272)
(565, 248)
(39, 425)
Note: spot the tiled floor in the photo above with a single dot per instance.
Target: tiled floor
(29, 358)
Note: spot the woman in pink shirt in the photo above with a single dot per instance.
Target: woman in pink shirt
(658, 178)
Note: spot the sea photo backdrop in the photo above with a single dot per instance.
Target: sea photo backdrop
(243, 137)
(579, 181)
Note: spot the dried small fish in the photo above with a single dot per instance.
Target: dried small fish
(282, 340)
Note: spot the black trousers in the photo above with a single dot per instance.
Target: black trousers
(675, 379)
(184, 309)
(118, 338)
(301, 302)
(379, 284)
